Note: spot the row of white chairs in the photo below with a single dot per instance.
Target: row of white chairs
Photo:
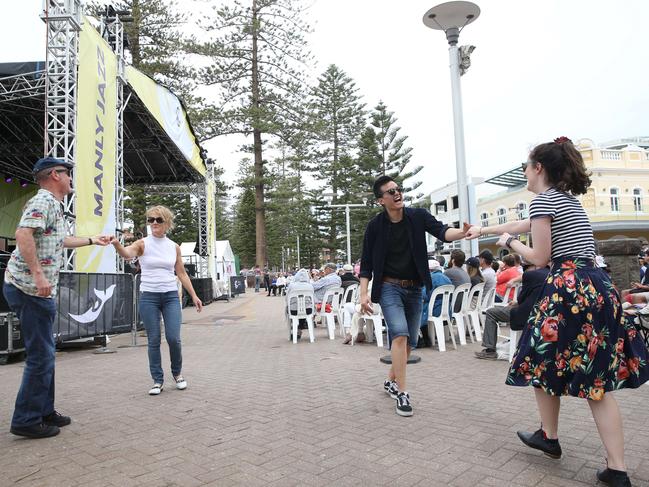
(470, 315)
(335, 298)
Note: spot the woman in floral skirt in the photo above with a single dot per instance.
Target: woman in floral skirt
(577, 341)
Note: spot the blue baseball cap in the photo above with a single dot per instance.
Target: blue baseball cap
(47, 162)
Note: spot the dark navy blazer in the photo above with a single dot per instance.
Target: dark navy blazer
(375, 245)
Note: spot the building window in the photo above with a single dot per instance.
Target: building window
(440, 207)
(502, 215)
(521, 210)
(615, 199)
(455, 201)
(637, 199)
(484, 219)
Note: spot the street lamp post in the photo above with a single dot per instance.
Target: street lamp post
(452, 17)
(349, 243)
(298, 252)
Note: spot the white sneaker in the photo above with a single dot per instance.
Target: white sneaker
(156, 389)
(181, 383)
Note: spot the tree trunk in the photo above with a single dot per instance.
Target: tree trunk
(260, 215)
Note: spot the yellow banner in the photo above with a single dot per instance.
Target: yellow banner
(95, 169)
(167, 110)
(210, 202)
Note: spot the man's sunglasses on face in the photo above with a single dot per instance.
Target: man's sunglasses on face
(157, 219)
(393, 191)
(68, 171)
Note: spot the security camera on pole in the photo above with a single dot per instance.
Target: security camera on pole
(452, 17)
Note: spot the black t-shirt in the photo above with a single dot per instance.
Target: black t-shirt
(398, 259)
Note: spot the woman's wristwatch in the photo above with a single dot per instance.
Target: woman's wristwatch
(508, 242)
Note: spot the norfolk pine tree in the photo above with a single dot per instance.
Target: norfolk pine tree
(257, 51)
(337, 120)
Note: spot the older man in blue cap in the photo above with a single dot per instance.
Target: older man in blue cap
(30, 285)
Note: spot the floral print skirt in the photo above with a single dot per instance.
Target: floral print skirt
(577, 341)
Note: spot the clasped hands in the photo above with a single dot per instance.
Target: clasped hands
(473, 231)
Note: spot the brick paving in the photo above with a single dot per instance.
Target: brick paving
(262, 411)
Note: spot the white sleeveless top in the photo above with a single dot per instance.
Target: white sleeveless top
(157, 264)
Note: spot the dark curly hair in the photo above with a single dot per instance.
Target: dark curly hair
(563, 164)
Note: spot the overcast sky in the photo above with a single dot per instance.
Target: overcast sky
(540, 69)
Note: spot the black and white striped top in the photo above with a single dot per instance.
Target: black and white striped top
(572, 234)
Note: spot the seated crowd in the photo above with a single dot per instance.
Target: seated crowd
(500, 275)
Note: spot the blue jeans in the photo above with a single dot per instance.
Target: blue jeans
(401, 308)
(257, 283)
(36, 394)
(152, 305)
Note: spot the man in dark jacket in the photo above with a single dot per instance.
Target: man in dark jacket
(516, 313)
(395, 258)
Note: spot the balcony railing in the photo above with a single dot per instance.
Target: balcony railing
(611, 155)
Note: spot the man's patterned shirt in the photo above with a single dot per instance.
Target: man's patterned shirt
(44, 213)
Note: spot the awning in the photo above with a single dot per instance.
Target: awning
(159, 143)
(510, 179)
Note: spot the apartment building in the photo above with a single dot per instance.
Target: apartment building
(617, 202)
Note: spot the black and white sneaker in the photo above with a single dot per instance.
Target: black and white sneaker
(391, 388)
(404, 408)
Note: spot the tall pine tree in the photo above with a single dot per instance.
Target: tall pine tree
(337, 120)
(257, 52)
(395, 155)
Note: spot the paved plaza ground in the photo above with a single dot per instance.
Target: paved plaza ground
(262, 411)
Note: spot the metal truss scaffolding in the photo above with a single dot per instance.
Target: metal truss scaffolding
(28, 85)
(113, 32)
(63, 20)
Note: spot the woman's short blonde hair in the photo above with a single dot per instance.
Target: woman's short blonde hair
(164, 212)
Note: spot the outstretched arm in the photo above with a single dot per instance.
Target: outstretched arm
(540, 254)
(134, 250)
(518, 226)
(71, 242)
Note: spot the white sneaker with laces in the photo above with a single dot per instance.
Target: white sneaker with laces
(181, 383)
(156, 389)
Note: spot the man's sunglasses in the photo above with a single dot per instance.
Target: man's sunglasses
(157, 219)
(393, 191)
(68, 171)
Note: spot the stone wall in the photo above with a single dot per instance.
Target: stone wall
(621, 255)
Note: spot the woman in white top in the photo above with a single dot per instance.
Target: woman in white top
(159, 257)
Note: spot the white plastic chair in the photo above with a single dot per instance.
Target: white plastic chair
(513, 334)
(514, 295)
(437, 329)
(473, 309)
(488, 301)
(513, 342)
(349, 296)
(332, 296)
(376, 330)
(305, 300)
(460, 317)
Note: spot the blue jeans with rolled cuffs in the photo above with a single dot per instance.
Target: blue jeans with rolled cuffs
(152, 306)
(35, 397)
(401, 308)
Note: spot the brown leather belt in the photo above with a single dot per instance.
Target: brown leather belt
(403, 282)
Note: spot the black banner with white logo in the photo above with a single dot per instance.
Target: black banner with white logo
(92, 304)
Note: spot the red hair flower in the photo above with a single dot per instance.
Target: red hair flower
(562, 140)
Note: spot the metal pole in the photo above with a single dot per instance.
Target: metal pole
(349, 242)
(347, 206)
(453, 35)
(298, 253)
